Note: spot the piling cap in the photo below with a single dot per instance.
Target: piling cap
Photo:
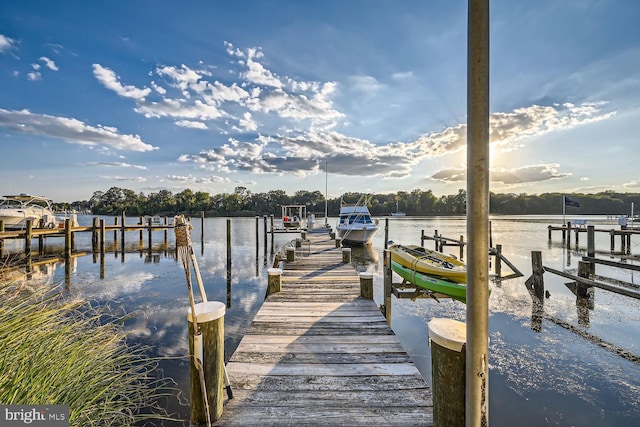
(366, 275)
(207, 311)
(448, 333)
(274, 271)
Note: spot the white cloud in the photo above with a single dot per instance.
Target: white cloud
(123, 178)
(300, 153)
(111, 81)
(35, 76)
(118, 164)
(71, 130)
(6, 43)
(49, 63)
(191, 124)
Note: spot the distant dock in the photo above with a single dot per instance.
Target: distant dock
(319, 353)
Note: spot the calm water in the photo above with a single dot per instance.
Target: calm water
(540, 374)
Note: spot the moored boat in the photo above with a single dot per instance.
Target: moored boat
(16, 210)
(355, 226)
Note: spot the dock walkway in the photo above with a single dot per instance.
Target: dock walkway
(319, 354)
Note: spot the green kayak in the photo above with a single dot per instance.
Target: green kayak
(456, 291)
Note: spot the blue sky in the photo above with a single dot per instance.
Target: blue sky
(212, 95)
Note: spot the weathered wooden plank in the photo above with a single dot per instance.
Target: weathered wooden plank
(267, 416)
(251, 381)
(345, 339)
(343, 348)
(327, 358)
(335, 398)
(335, 369)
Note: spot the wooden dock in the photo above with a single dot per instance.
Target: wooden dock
(317, 353)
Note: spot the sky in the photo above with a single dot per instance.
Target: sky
(214, 95)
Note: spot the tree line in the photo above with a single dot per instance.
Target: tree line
(243, 202)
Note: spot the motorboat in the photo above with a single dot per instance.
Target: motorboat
(433, 271)
(16, 210)
(355, 225)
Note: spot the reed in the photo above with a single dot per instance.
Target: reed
(60, 351)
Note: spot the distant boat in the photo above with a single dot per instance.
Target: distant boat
(355, 225)
(15, 210)
(398, 212)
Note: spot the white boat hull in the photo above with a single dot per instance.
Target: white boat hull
(16, 219)
(356, 236)
(15, 211)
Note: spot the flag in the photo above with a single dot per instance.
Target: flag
(569, 202)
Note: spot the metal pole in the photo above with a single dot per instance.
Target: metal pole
(477, 357)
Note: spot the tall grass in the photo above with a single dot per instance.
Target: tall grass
(59, 351)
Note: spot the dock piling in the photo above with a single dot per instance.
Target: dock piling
(447, 338)
(206, 347)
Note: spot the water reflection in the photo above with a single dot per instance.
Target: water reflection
(532, 353)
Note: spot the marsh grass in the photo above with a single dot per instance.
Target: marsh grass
(61, 351)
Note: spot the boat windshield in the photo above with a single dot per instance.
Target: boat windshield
(357, 219)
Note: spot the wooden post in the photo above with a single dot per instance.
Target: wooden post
(549, 232)
(150, 233)
(435, 239)
(338, 242)
(68, 243)
(41, 244)
(274, 281)
(535, 286)
(123, 230)
(388, 279)
(228, 248)
(461, 247)
(583, 271)
(537, 277)
(298, 243)
(291, 254)
(568, 235)
(422, 238)
(166, 232)
(346, 255)
(366, 284)
(498, 263)
(103, 234)
(591, 246)
(27, 237)
(265, 233)
(95, 240)
(1, 240)
(612, 234)
(202, 226)
(210, 318)
(115, 232)
(386, 232)
(448, 339)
